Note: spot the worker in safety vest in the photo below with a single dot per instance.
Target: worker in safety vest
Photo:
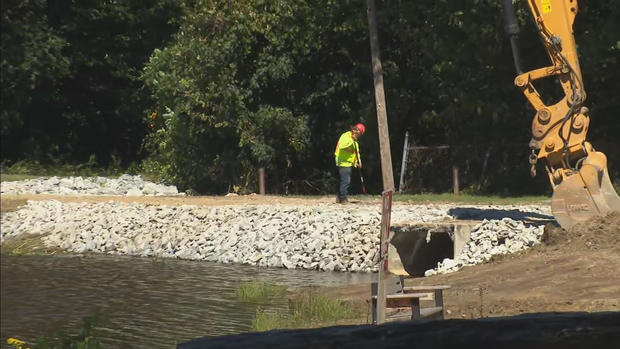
(347, 155)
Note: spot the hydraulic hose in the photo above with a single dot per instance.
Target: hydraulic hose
(511, 27)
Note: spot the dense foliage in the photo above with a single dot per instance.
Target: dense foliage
(70, 88)
(212, 90)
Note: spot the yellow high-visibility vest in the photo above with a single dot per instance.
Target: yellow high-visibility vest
(347, 151)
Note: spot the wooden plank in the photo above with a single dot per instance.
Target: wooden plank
(403, 295)
(401, 303)
(426, 288)
(402, 300)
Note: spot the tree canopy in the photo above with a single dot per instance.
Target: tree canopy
(205, 92)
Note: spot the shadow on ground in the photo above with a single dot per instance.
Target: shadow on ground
(473, 213)
(539, 330)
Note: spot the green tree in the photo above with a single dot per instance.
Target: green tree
(596, 32)
(70, 77)
(31, 67)
(215, 89)
(232, 93)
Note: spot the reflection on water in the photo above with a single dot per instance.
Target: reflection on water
(146, 303)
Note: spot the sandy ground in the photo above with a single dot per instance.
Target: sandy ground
(576, 270)
(16, 200)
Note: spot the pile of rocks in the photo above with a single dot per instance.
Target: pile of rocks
(491, 238)
(323, 236)
(126, 185)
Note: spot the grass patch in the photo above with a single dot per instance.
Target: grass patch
(16, 177)
(259, 291)
(471, 199)
(27, 245)
(29, 169)
(310, 309)
(86, 337)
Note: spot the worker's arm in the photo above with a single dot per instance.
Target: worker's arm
(358, 157)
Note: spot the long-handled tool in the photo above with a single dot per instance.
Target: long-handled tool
(357, 159)
(362, 180)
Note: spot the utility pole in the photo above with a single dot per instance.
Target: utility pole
(386, 159)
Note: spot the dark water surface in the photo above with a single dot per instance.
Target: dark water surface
(145, 303)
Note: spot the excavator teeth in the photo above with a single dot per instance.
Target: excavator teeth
(585, 194)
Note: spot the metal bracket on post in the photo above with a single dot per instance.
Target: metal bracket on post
(384, 241)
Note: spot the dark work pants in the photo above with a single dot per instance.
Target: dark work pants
(345, 182)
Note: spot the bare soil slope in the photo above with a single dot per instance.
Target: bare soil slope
(575, 270)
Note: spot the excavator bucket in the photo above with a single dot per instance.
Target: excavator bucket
(586, 193)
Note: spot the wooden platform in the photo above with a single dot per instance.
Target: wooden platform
(403, 302)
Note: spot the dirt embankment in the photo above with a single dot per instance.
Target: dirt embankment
(12, 202)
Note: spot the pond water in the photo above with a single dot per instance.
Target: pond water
(144, 303)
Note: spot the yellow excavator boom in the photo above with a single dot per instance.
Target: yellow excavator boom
(578, 174)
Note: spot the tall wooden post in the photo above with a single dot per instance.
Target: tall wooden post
(386, 158)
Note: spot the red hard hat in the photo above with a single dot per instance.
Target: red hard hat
(361, 128)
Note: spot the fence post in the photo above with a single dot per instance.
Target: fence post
(261, 181)
(403, 165)
(484, 167)
(455, 180)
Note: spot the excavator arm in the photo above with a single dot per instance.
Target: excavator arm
(578, 174)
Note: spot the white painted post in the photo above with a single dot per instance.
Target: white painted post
(403, 164)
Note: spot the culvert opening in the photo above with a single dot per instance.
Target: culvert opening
(420, 246)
